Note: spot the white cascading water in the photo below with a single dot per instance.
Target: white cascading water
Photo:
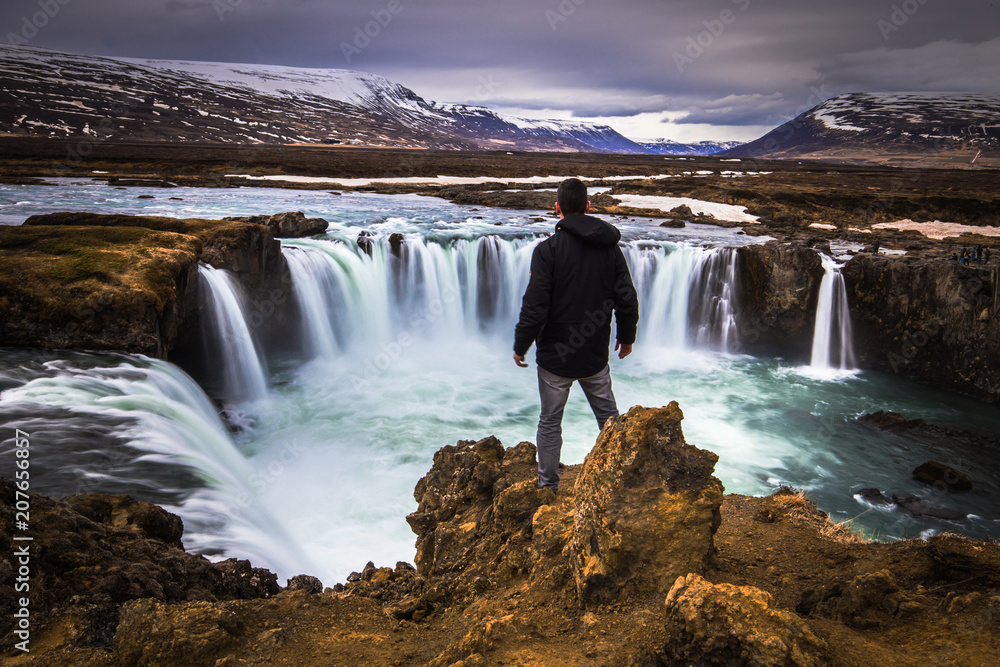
(686, 295)
(165, 414)
(832, 347)
(474, 286)
(439, 291)
(243, 367)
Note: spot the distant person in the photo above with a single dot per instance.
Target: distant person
(875, 247)
(979, 253)
(986, 255)
(578, 279)
(954, 256)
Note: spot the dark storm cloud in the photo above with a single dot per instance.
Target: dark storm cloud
(723, 62)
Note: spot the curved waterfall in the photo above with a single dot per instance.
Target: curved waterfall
(230, 339)
(157, 409)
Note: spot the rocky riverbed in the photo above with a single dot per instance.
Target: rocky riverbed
(640, 560)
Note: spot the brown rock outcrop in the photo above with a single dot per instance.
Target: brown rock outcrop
(647, 507)
(97, 552)
(723, 624)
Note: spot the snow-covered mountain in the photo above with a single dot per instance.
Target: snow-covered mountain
(886, 124)
(668, 147)
(49, 93)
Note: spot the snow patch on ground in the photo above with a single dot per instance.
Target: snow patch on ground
(435, 180)
(937, 229)
(823, 225)
(719, 211)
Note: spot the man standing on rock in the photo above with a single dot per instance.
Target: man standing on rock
(578, 279)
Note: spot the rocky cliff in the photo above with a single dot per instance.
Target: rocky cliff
(127, 283)
(931, 320)
(777, 296)
(639, 560)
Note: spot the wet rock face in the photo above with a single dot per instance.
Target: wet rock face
(723, 624)
(778, 292)
(647, 507)
(931, 320)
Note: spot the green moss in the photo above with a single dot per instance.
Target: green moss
(51, 272)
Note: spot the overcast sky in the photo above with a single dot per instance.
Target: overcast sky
(681, 69)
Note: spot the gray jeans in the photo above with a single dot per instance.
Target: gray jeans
(554, 390)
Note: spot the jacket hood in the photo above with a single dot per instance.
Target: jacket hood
(592, 231)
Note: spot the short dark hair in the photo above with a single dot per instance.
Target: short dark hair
(572, 197)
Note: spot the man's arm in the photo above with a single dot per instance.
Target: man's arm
(535, 304)
(626, 307)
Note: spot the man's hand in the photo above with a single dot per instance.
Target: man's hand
(519, 360)
(622, 350)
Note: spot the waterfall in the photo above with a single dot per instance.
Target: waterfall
(832, 347)
(686, 295)
(160, 411)
(242, 364)
(466, 287)
(429, 289)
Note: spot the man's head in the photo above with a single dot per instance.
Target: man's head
(572, 197)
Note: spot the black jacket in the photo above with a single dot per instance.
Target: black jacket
(578, 277)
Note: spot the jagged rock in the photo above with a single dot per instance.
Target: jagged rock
(778, 289)
(917, 507)
(474, 516)
(293, 224)
(683, 211)
(647, 507)
(676, 224)
(396, 244)
(723, 624)
(99, 551)
(305, 582)
(941, 476)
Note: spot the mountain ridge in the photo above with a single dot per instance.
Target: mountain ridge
(173, 100)
(890, 127)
